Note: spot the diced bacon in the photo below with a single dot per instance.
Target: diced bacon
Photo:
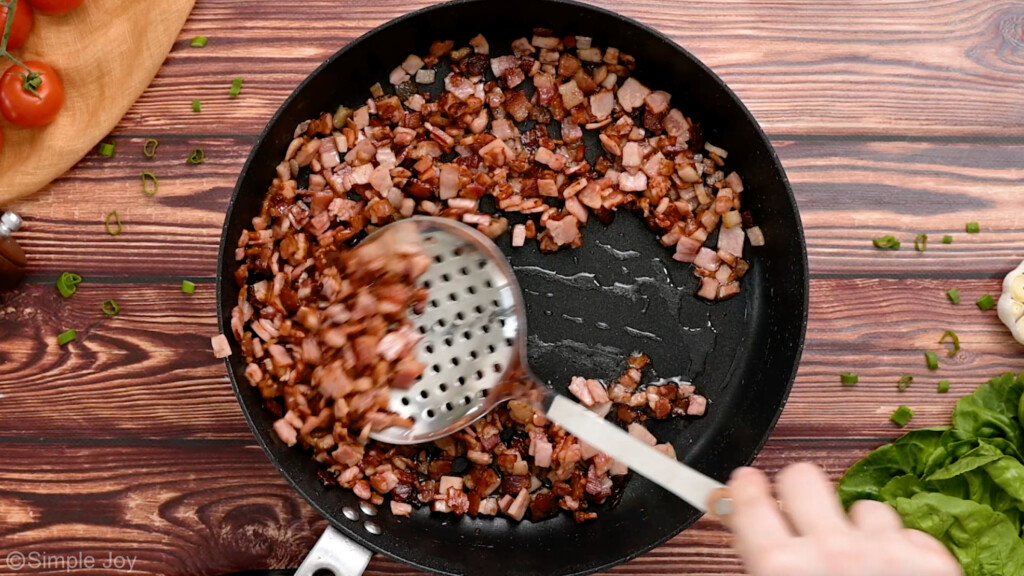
(657, 101)
(448, 482)
(517, 509)
(731, 240)
(221, 346)
(638, 431)
(564, 231)
(518, 235)
(632, 182)
(489, 506)
(460, 86)
(479, 44)
(401, 508)
(480, 458)
(733, 181)
(412, 63)
(542, 453)
(551, 159)
(547, 187)
(462, 204)
(505, 502)
(603, 409)
(503, 129)
(756, 236)
(675, 124)
(286, 432)
(501, 64)
(423, 76)
(708, 288)
(597, 391)
(579, 388)
(380, 179)
(632, 157)
(362, 490)
(698, 404)
(477, 219)
(571, 94)
(666, 449)
(574, 207)
(686, 249)
(253, 374)
(632, 93)
(397, 344)
(549, 42)
(546, 88)
(496, 153)
(592, 55)
(398, 76)
(707, 259)
(449, 181)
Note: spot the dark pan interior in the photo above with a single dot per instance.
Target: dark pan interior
(588, 308)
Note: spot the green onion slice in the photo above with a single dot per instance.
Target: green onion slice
(956, 342)
(904, 382)
(986, 302)
(188, 287)
(901, 416)
(149, 148)
(973, 228)
(68, 283)
(150, 184)
(110, 308)
(943, 386)
(921, 242)
(198, 42)
(236, 87)
(197, 157)
(848, 378)
(932, 360)
(113, 223)
(66, 336)
(947, 239)
(887, 242)
(197, 106)
(954, 295)
(108, 149)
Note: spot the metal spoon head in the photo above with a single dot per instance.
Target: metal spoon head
(473, 333)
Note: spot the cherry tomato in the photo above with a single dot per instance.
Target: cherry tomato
(31, 99)
(22, 25)
(55, 6)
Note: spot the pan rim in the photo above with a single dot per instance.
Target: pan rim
(260, 435)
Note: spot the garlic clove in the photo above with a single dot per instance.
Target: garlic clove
(1011, 303)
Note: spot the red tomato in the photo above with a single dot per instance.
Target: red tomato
(22, 25)
(20, 105)
(55, 6)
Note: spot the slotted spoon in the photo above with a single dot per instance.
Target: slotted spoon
(474, 346)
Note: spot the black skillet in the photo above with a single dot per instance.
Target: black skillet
(587, 308)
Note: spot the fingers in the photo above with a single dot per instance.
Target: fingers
(945, 563)
(872, 516)
(755, 520)
(809, 500)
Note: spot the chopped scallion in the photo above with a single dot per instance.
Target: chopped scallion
(66, 336)
(947, 239)
(149, 148)
(954, 295)
(113, 223)
(198, 42)
(932, 360)
(986, 302)
(150, 184)
(901, 416)
(197, 157)
(236, 87)
(904, 382)
(921, 242)
(973, 228)
(110, 308)
(887, 242)
(68, 283)
(197, 106)
(956, 342)
(108, 149)
(943, 386)
(188, 287)
(848, 379)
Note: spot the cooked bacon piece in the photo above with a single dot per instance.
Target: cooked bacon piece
(564, 231)
(517, 509)
(631, 94)
(221, 347)
(639, 432)
(401, 509)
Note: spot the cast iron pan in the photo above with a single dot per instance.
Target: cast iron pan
(587, 308)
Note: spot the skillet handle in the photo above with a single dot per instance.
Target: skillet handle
(336, 554)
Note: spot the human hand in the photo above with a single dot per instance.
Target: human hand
(815, 537)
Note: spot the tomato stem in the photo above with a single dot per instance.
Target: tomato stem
(12, 7)
(31, 82)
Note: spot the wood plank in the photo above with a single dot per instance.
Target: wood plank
(848, 193)
(215, 507)
(826, 68)
(149, 373)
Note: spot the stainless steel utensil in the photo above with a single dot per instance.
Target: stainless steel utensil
(474, 346)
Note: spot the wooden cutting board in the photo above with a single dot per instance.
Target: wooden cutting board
(106, 52)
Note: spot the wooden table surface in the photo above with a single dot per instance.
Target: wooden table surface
(890, 117)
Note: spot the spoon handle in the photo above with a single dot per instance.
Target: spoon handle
(678, 478)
